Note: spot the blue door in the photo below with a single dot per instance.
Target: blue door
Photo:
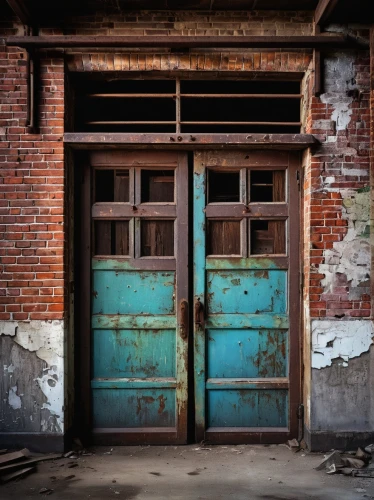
(139, 283)
(246, 296)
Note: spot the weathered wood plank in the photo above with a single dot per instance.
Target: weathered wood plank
(16, 455)
(289, 141)
(66, 41)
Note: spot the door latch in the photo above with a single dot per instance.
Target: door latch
(199, 314)
(183, 326)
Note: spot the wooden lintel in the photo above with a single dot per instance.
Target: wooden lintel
(21, 10)
(82, 140)
(81, 41)
(317, 72)
(324, 10)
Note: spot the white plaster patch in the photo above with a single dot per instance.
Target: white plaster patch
(46, 339)
(13, 399)
(332, 339)
(340, 77)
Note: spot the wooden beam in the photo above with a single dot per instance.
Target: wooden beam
(81, 140)
(317, 73)
(324, 10)
(21, 10)
(182, 42)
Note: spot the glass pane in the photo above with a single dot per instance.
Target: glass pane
(121, 186)
(104, 185)
(223, 237)
(111, 237)
(157, 186)
(267, 185)
(268, 237)
(112, 185)
(223, 186)
(157, 238)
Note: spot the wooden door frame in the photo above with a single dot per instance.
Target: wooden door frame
(83, 424)
(294, 305)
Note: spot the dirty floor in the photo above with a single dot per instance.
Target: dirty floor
(188, 472)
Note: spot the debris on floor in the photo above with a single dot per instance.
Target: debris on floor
(357, 464)
(17, 464)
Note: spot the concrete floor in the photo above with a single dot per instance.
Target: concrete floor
(189, 472)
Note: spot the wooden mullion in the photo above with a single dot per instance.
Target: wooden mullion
(178, 105)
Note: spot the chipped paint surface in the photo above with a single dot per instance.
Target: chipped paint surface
(13, 399)
(341, 63)
(332, 339)
(349, 260)
(46, 340)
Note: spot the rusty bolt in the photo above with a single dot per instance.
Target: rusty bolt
(192, 138)
(134, 207)
(180, 138)
(172, 139)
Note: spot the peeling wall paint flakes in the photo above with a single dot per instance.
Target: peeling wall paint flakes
(46, 339)
(332, 339)
(13, 399)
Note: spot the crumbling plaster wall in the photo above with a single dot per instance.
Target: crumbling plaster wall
(342, 359)
(32, 380)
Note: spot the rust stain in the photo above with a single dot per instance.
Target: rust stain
(95, 294)
(162, 400)
(146, 399)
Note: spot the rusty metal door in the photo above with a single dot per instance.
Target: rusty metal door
(139, 282)
(246, 293)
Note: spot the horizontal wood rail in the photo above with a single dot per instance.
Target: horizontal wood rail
(84, 140)
(66, 41)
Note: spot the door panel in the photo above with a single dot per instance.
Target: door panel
(246, 296)
(139, 279)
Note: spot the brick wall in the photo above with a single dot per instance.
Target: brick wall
(339, 181)
(229, 23)
(31, 191)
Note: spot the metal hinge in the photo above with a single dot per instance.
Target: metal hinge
(301, 281)
(298, 179)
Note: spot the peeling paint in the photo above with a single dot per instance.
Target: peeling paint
(332, 339)
(46, 339)
(13, 399)
(340, 77)
(349, 259)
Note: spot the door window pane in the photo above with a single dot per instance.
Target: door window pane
(223, 237)
(267, 185)
(111, 185)
(268, 237)
(223, 186)
(111, 237)
(157, 186)
(157, 238)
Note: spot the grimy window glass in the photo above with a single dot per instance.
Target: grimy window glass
(187, 106)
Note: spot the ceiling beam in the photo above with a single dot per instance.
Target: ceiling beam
(21, 10)
(324, 10)
(182, 42)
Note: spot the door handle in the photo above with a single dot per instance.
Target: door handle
(183, 326)
(199, 314)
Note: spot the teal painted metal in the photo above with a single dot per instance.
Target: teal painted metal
(133, 292)
(133, 408)
(242, 346)
(230, 320)
(246, 291)
(247, 408)
(247, 353)
(139, 329)
(132, 383)
(134, 353)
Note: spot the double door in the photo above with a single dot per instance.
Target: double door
(194, 295)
